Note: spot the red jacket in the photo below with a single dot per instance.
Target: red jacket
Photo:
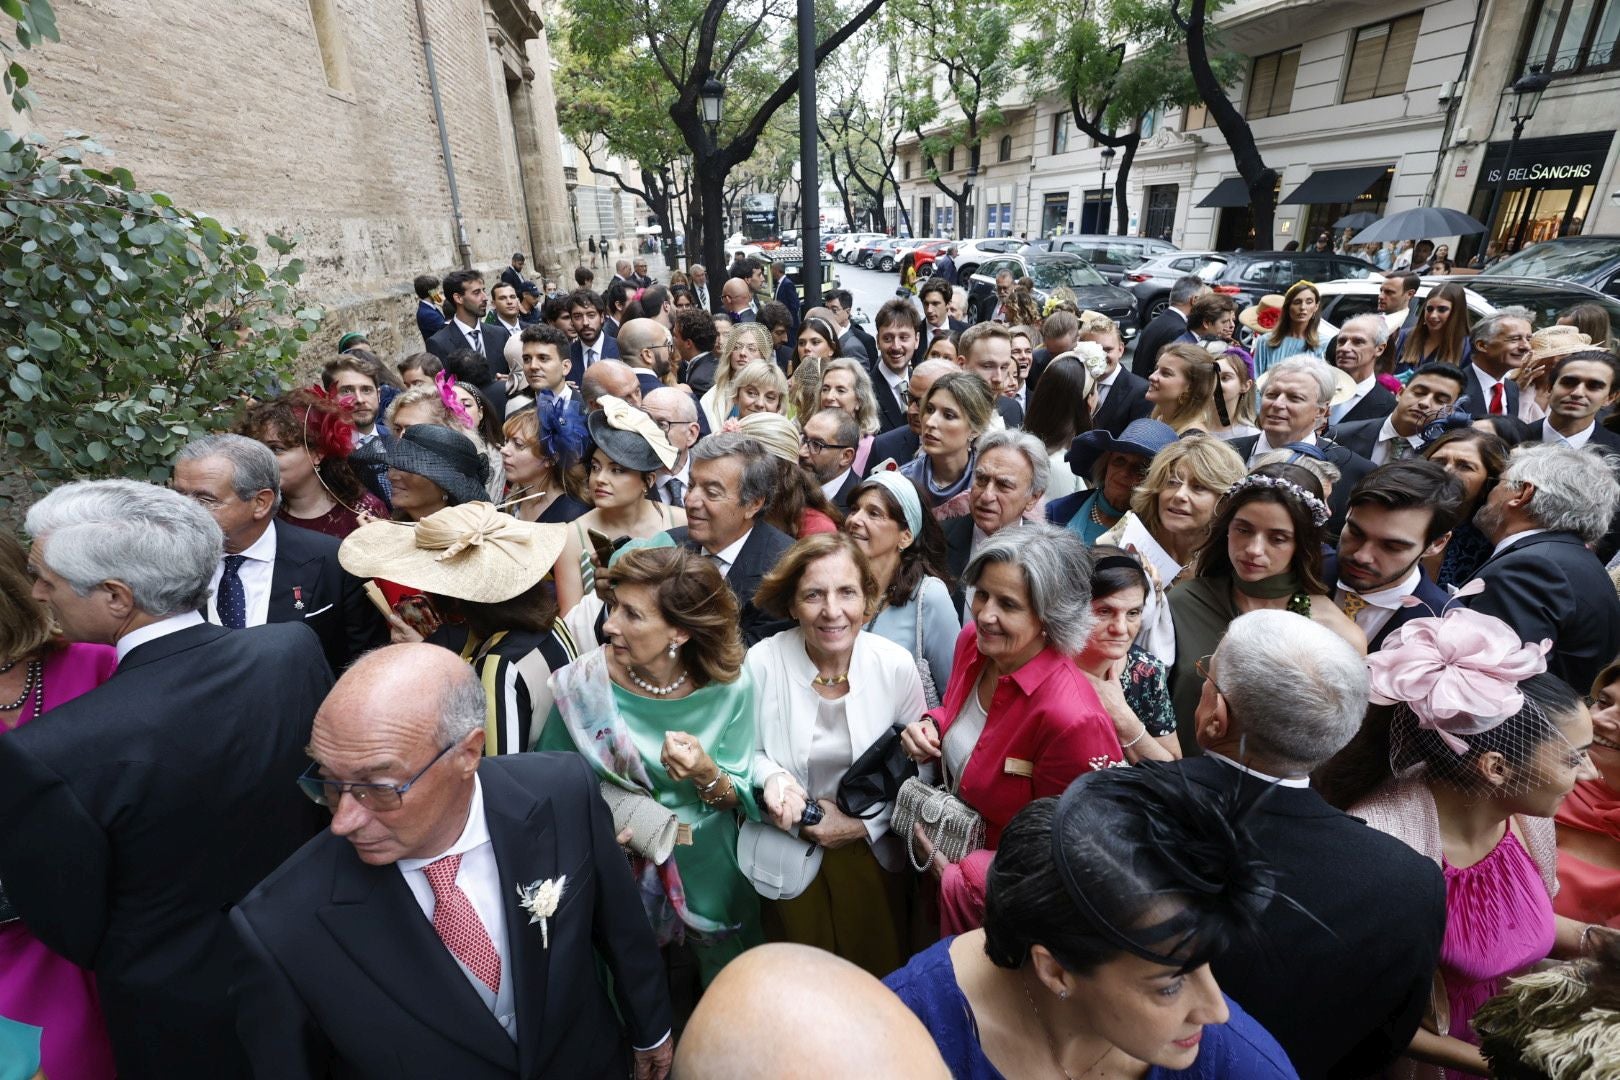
(1044, 727)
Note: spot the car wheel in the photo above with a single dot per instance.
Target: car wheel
(887, 265)
(866, 263)
(965, 272)
(1154, 308)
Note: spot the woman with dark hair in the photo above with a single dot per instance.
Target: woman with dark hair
(817, 344)
(1477, 459)
(1441, 334)
(1184, 388)
(664, 715)
(1130, 681)
(1264, 551)
(542, 445)
(39, 671)
(1468, 751)
(1059, 413)
(482, 424)
(1298, 327)
(1103, 911)
(905, 548)
(312, 438)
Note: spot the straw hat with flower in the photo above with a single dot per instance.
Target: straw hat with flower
(472, 552)
(1264, 316)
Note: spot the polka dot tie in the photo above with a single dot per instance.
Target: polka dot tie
(232, 598)
(458, 924)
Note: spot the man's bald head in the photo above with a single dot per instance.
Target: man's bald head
(609, 377)
(793, 1011)
(679, 406)
(640, 342)
(933, 369)
(735, 295)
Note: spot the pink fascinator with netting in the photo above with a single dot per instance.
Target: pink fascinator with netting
(1459, 673)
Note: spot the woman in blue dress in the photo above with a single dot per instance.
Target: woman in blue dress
(1094, 956)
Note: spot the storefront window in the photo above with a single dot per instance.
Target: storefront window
(1547, 191)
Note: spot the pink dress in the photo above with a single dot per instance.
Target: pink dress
(36, 986)
(1499, 921)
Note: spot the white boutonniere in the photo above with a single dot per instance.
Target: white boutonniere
(540, 900)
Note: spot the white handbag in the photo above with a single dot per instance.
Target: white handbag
(777, 864)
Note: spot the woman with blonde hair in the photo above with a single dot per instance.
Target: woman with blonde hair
(797, 504)
(437, 403)
(1183, 387)
(743, 343)
(759, 388)
(1236, 393)
(846, 385)
(818, 343)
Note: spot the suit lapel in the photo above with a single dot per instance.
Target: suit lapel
(375, 919)
(289, 572)
(523, 832)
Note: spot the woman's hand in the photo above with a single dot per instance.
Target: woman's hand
(684, 758)
(1134, 741)
(836, 827)
(400, 632)
(920, 741)
(785, 800)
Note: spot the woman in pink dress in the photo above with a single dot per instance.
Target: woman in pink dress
(1469, 750)
(38, 672)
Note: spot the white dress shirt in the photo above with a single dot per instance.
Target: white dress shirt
(1575, 441)
(1382, 605)
(833, 486)
(1513, 538)
(1363, 388)
(152, 631)
(467, 331)
(255, 573)
(683, 474)
(1284, 781)
(727, 555)
(480, 878)
(899, 382)
(1381, 448)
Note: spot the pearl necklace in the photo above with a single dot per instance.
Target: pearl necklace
(34, 683)
(656, 691)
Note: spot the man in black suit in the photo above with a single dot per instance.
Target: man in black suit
(827, 452)
(935, 294)
(1168, 325)
(273, 571)
(852, 339)
(397, 944)
(132, 817)
(429, 319)
(1121, 395)
(1356, 348)
(586, 309)
(1433, 387)
(1293, 406)
(986, 351)
(695, 335)
(1282, 697)
(898, 328)
(1059, 332)
(468, 330)
(737, 300)
(1582, 385)
(1501, 344)
(1541, 580)
(787, 294)
(902, 443)
(513, 274)
(1400, 514)
(732, 480)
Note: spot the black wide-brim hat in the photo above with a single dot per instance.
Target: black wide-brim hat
(446, 457)
(628, 436)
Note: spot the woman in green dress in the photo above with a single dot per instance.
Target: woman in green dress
(665, 712)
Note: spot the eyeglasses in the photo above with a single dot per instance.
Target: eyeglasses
(816, 446)
(328, 793)
(1202, 667)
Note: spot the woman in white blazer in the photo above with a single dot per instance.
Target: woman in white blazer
(826, 691)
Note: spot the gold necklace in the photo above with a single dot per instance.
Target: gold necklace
(831, 680)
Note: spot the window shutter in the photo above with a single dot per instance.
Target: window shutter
(1403, 36)
(1365, 60)
(1261, 82)
(1282, 98)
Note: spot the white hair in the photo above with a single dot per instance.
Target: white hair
(1489, 328)
(1040, 463)
(1056, 565)
(1297, 691)
(461, 708)
(1315, 367)
(1378, 328)
(156, 541)
(1576, 490)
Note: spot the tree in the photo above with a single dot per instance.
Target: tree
(860, 138)
(36, 22)
(130, 325)
(1258, 177)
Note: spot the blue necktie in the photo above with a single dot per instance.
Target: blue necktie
(232, 598)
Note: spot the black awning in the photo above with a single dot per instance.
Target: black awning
(1335, 185)
(1228, 193)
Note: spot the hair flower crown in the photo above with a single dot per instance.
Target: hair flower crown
(1319, 509)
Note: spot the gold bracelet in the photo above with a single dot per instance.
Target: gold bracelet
(714, 801)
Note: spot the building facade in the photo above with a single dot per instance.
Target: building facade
(316, 119)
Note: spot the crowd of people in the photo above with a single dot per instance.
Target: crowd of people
(620, 687)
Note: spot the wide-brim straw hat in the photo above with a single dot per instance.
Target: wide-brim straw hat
(472, 552)
(446, 457)
(1554, 341)
(630, 437)
(1251, 316)
(1344, 387)
(775, 432)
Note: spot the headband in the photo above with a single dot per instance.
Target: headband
(1116, 562)
(905, 493)
(822, 327)
(1318, 508)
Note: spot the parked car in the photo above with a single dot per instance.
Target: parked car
(970, 253)
(1051, 271)
(1343, 300)
(845, 247)
(1110, 256)
(1245, 276)
(869, 253)
(925, 252)
(1592, 261)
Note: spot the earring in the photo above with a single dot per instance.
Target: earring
(674, 648)
(1063, 995)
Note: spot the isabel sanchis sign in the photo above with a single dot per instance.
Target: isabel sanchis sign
(1566, 161)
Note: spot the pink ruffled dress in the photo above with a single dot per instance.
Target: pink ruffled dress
(1499, 921)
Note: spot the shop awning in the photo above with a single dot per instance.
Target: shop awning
(1335, 185)
(1228, 193)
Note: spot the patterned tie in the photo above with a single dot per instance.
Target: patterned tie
(458, 925)
(1399, 448)
(1496, 400)
(232, 598)
(477, 341)
(1351, 603)
(676, 491)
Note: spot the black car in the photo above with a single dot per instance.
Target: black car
(1593, 261)
(1111, 256)
(1053, 271)
(1245, 276)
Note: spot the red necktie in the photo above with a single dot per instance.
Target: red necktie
(458, 925)
(1496, 400)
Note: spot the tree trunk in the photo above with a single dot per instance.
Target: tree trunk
(1260, 179)
(710, 181)
(1121, 190)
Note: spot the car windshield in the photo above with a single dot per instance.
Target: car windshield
(1050, 274)
(1546, 302)
(1565, 259)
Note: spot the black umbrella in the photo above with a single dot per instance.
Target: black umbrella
(1418, 224)
(1359, 220)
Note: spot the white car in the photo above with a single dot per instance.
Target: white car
(1346, 298)
(970, 253)
(845, 246)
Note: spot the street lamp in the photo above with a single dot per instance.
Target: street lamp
(1107, 204)
(710, 97)
(1527, 91)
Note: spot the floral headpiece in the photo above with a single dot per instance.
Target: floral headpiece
(1319, 509)
(446, 383)
(1092, 356)
(1458, 673)
(1268, 318)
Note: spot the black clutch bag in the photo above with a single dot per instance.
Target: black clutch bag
(875, 777)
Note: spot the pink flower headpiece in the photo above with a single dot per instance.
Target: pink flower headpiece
(1459, 673)
(446, 383)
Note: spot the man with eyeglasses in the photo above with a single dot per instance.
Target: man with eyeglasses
(827, 452)
(649, 348)
(450, 920)
(678, 417)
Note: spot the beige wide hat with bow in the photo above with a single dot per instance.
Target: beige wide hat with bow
(472, 552)
(1555, 341)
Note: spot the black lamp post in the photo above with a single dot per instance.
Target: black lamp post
(1107, 203)
(710, 97)
(1527, 91)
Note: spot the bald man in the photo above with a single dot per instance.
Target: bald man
(395, 946)
(648, 346)
(610, 377)
(738, 300)
(791, 1012)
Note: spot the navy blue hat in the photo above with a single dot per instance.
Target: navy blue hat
(1145, 437)
(529, 288)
